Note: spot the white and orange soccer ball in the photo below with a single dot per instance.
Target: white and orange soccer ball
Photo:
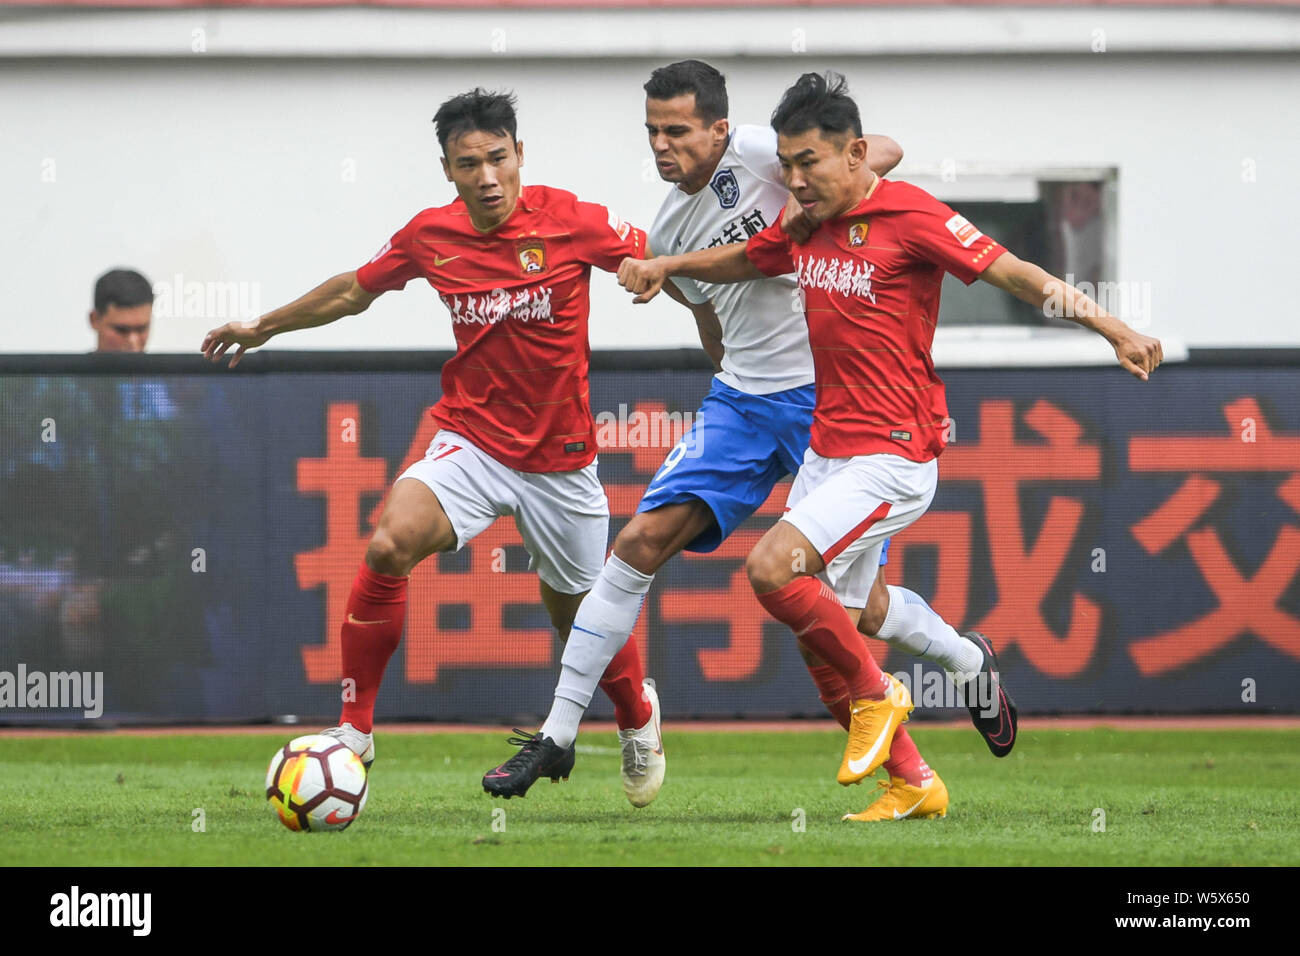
(316, 783)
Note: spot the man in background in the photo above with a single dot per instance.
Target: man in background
(123, 311)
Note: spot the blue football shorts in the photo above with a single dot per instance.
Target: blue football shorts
(737, 449)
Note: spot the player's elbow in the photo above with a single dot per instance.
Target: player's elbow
(354, 299)
(1016, 276)
(890, 155)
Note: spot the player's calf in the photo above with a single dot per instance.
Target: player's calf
(371, 630)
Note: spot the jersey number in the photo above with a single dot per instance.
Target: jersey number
(674, 456)
(435, 452)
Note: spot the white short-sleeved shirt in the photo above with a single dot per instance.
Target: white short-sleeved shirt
(764, 334)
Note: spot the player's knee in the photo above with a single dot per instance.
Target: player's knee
(387, 556)
(768, 570)
(641, 544)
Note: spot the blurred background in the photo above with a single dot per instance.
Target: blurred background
(191, 532)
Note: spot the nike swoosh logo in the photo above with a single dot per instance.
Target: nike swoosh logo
(353, 620)
(1002, 710)
(496, 773)
(437, 261)
(988, 710)
(860, 766)
(908, 812)
(335, 818)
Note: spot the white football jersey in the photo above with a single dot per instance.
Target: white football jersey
(764, 334)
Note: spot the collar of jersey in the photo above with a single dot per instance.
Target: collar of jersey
(858, 209)
(464, 211)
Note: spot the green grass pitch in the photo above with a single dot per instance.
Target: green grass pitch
(1222, 797)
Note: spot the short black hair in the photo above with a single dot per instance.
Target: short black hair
(123, 288)
(691, 76)
(476, 110)
(817, 101)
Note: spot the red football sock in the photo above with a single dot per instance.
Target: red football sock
(372, 629)
(811, 609)
(905, 760)
(833, 691)
(622, 684)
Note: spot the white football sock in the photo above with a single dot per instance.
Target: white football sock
(605, 619)
(912, 626)
(564, 713)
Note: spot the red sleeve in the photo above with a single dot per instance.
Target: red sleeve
(604, 239)
(769, 251)
(392, 266)
(933, 232)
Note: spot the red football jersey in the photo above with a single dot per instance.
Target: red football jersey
(518, 297)
(871, 281)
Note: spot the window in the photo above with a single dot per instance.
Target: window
(1062, 219)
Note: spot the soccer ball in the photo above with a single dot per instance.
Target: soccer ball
(316, 783)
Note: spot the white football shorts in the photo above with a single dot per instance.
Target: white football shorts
(847, 507)
(562, 516)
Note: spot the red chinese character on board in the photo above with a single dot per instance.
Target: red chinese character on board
(1247, 603)
(1024, 569)
(343, 477)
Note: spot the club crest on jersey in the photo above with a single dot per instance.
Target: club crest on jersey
(858, 232)
(532, 256)
(728, 190)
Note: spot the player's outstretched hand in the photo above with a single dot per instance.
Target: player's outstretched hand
(642, 277)
(242, 334)
(1138, 353)
(796, 222)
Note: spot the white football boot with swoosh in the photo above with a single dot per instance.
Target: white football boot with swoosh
(643, 754)
(363, 745)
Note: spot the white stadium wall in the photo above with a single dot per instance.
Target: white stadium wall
(297, 142)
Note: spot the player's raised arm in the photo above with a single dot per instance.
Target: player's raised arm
(719, 265)
(332, 299)
(1138, 353)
